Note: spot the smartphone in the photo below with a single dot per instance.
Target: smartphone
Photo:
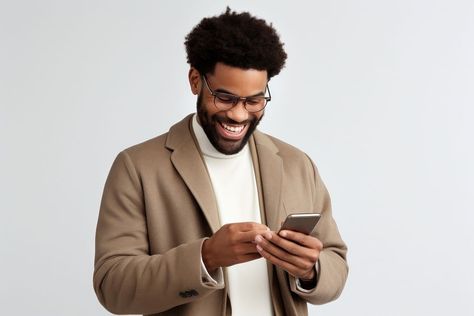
(301, 222)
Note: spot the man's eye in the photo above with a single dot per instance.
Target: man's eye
(254, 101)
(225, 98)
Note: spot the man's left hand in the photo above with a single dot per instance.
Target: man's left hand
(292, 251)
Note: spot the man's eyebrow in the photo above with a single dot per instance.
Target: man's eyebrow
(224, 91)
(259, 94)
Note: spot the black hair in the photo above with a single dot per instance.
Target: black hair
(235, 39)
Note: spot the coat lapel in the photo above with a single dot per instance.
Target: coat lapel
(188, 161)
(269, 165)
(268, 168)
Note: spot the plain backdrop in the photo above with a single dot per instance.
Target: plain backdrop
(379, 93)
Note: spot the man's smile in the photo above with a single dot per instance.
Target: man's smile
(231, 131)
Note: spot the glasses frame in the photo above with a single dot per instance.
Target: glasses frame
(236, 99)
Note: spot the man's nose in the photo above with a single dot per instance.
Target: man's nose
(238, 113)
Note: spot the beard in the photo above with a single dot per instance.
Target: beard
(209, 125)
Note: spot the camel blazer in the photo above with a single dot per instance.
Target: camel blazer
(158, 206)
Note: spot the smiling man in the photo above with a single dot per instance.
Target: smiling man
(189, 221)
(228, 126)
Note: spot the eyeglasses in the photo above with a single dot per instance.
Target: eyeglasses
(225, 101)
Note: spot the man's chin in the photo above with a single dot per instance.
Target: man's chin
(229, 147)
(232, 146)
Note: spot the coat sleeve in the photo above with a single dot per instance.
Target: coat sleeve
(333, 269)
(127, 279)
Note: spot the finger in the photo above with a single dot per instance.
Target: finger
(302, 262)
(246, 227)
(302, 239)
(249, 236)
(295, 248)
(290, 268)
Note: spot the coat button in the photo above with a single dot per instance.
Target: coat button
(188, 293)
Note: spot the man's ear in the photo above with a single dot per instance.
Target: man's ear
(194, 80)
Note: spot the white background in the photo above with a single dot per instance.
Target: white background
(378, 93)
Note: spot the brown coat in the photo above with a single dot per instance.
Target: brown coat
(158, 206)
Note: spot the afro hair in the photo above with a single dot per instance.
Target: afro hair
(235, 39)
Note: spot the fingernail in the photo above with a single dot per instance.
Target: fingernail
(283, 233)
(268, 235)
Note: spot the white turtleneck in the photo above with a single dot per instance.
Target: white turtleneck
(233, 181)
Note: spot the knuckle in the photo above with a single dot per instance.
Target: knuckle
(313, 257)
(320, 245)
(233, 238)
(302, 240)
(254, 226)
(292, 248)
(246, 225)
(316, 244)
(294, 272)
(308, 266)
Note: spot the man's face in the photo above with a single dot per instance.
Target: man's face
(229, 130)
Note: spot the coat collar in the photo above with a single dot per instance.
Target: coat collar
(188, 161)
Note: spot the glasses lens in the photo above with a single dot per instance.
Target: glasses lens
(255, 104)
(226, 99)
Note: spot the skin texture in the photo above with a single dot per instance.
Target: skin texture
(232, 80)
(232, 244)
(292, 251)
(241, 242)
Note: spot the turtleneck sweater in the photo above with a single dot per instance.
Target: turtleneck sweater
(234, 184)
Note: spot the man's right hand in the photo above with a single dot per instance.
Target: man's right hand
(231, 244)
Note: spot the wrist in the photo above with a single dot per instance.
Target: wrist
(309, 281)
(207, 258)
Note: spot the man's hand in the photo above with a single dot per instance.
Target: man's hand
(231, 244)
(294, 252)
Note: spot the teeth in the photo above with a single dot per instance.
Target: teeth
(233, 129)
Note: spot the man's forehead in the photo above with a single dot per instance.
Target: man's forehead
(238, 81)
(223, 71)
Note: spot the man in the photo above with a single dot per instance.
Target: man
(188, 220)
